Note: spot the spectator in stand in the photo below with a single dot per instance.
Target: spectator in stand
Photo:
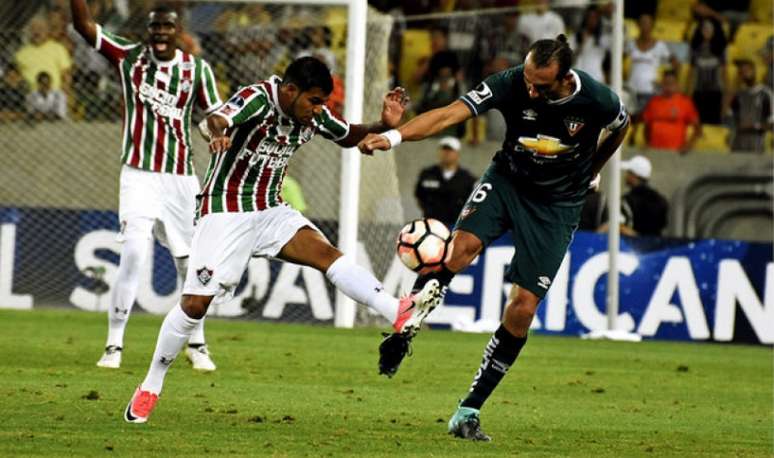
(501, 41)
(668, 115)
(441, 57)
(442, 189)
(45, 103)
(751, 108)
(591, 45)
(441, 91)
(542, 23)
(43, 54)
(649, 208)
(728, 12)
(13, 93)
(767, 53)
(647, 55)
(708, 70)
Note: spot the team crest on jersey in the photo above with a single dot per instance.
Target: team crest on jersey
(185, 86)
(529, 114)
(544, 145)
(467, 211)
(574, 125)
(204, 275)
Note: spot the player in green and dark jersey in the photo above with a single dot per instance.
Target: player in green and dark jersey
(158, 186)
(241, 213)
(562, 126)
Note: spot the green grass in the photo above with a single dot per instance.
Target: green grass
(286, 390)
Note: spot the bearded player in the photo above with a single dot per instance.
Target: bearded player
(562, 126)
(241, 213)
(158, 186)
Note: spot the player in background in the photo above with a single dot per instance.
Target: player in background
(158, 186)
(241, 212)
(562, 126)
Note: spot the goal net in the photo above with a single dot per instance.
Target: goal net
(60, 171)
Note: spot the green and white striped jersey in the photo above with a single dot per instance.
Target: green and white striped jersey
(248, 177)
(158, 100)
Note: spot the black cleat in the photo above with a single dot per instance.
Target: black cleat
(466, 424)
(392, 350)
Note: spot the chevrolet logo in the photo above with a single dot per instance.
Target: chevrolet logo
(545, 145)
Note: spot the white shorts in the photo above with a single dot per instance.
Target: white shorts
(223, 244)
(160, 204)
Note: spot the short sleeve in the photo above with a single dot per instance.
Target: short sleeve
(489, 93)
(113, 47)
(248, 103)
(207, 92)
(331, 126)
(663, 52)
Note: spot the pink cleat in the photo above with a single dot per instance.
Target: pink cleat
(414, 308)
(141, 406)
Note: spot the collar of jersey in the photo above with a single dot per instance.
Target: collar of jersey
(275, 82)
(174, 61)
(569, 97)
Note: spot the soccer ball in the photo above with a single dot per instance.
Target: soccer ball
(423, 244)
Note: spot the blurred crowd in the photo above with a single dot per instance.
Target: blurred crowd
(697, 74)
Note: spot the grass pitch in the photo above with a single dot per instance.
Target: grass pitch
(287, 390)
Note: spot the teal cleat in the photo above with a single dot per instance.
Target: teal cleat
(466, 424)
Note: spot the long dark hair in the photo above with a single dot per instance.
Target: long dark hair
(718, 41)
(597, 31)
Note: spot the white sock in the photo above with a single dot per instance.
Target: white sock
(360, 285)
(175, 331)
(197, 337)
(181, 264)
(134, 253)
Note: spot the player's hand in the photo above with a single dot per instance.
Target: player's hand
(373, 142)
(594, 185)
(395, 103)
(220, 144)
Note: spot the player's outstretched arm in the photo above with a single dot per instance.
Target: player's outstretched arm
(82, 21)
(393, 108)
(425, 125)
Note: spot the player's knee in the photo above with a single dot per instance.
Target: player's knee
(520, 312)
(195, 306)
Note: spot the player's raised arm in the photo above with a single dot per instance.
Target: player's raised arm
(425, 125)
(83, 22)
(393, 108)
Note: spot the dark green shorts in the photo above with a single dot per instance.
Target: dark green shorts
(541, 231)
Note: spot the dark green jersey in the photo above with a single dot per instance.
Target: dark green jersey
(548, 146)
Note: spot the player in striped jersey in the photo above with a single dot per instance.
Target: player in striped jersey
(241, 213)
(158, 186)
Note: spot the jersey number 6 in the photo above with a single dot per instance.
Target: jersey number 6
(479, 194)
